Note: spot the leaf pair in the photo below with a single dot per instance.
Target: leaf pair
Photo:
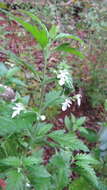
(45, 37)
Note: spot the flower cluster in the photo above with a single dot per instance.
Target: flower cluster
(63, 77)
(66, 104)
(68, 101)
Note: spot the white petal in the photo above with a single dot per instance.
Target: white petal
(28, 185)
(64, 107)
(79, 101)
(78, 97)
(14, 114)
(43, 117)
(61, 82)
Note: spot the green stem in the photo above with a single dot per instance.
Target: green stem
(43, 85)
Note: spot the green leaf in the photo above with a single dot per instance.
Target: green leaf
(16, 125)
(39, 35)
(30, 161)
(80, 121)
(11, 161)
(86, 159)
(3, 69)
(78, 183)
(15, 180)
(41, 172)
(84, 162)
(7, 126)
(25, 99)
(68, 123)
(60, 166)
(53, 98)
(12, 71)
(35, 18)
(66, 48)
(42, 129)
(83, 130)
(69, 36)
(61, 159)
(90, 135)
(19, 61)
(39, 177)
(44, 34)
(53, 31)
(17, 81)
(68, 140)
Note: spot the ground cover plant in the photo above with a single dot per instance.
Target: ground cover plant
(29, 98)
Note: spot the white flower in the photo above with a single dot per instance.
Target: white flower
(18, 108)
(42, 117)
(62, 76)
(66, 104)
(28, 185)
(78, 98)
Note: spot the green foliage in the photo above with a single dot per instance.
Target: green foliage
(60, 166)
(74, 124)
(67, 140)
(84, 163)
(66, 48)
(15, 180)
(78, 183)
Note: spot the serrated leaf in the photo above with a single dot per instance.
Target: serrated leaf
(86, 158)
(84, 162)
(66, 48)
(7, 126)
(29, 161)
(90, 174)
(39, 177)
(78, 183)
(68, 140)
(61, 159)
(60, 163)
(16, 125)
(11, 161)
(15, 180)
(42, 129)
(53, 98)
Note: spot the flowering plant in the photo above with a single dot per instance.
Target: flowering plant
(26, 133)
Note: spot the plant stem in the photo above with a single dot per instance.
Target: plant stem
(43, 85)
